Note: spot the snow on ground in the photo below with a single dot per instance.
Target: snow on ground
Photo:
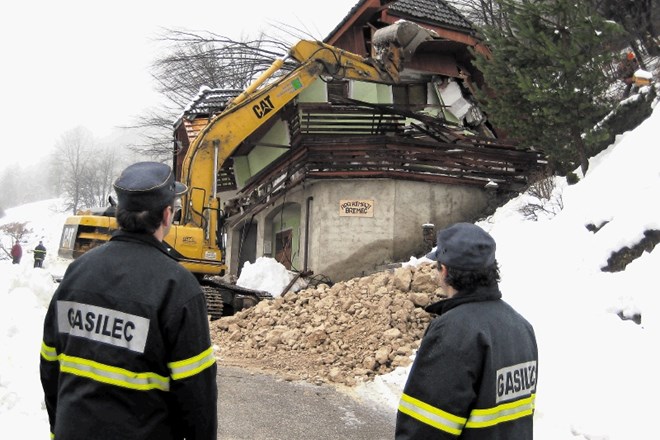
(597, 372)
(24, 296)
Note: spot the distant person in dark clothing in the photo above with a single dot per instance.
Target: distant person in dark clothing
(39, 255)
(16, 253)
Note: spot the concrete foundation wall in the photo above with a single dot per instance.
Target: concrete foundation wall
(342, 247)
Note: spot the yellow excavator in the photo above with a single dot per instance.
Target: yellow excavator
(197, 240)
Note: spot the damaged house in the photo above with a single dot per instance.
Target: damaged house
(353, 175)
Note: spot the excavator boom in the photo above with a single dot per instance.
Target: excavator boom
(263, 99)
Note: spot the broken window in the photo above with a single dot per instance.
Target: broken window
(410, 96)
(337, 91)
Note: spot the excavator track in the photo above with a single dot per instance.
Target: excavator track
(214, 304)
(225, 299)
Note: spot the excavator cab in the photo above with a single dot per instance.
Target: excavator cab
(83, 232)
(87, 229)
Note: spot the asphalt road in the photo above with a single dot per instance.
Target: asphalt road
(256, 406)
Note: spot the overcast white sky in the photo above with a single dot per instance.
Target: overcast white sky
(77, 63)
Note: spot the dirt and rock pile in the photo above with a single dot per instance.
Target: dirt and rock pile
(340, 334)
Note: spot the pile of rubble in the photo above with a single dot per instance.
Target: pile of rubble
(342, 334)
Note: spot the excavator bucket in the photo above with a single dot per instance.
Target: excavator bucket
(406, 36)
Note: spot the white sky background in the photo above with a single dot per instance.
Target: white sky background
(598, 374)
(78, 63)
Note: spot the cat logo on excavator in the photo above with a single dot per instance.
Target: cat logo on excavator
(263, 107)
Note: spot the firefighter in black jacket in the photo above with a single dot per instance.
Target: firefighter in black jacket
(39, 254)
(126, 350)
(474, 375)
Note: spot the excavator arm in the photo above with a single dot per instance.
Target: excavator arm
(195, 238)
(269, 94)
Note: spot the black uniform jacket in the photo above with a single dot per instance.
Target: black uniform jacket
(126, 350)
(474, 375)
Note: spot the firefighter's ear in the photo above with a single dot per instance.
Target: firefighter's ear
(168, 216)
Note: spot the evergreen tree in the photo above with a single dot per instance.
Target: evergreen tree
(547, 77)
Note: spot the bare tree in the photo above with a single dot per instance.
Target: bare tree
(98, 178)
(70, 163)
(83, 171)
(196, 60)
(155, 126)
(16, 230)
(481, 12)
(207, 59)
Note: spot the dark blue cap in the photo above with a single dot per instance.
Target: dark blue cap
(464, 246)
(147, 185)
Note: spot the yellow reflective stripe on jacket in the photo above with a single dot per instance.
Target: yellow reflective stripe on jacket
(48, 353)
(430, 415)
(190, 367)
(482, 418)
(112, 375)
